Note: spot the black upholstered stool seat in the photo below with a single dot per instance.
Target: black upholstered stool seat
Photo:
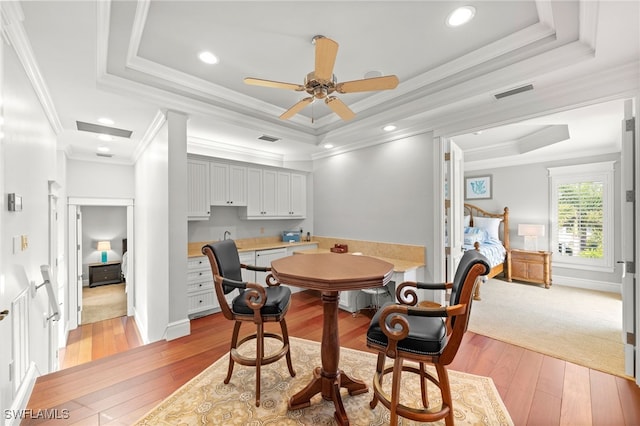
(277, 302)
(427, 335)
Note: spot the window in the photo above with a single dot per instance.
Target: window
(582, 216)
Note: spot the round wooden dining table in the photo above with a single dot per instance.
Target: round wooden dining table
(331, 273)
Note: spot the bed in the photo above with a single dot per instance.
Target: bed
(489, 234)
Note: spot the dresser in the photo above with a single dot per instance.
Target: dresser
(104, 273)
(530, 266)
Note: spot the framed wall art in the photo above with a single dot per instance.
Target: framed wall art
(478, 188)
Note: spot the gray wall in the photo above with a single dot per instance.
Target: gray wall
(102, 223)
(381, 193)
(525, 190)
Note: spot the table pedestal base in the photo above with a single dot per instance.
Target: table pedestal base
(329, 386)
(328, 379)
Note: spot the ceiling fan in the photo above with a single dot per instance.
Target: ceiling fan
(321, 82)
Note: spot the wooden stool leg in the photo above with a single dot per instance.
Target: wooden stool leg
(395, 390)
(259, 357)
(377, 377)
(234, 344)
(285, 338)
(423, 385)
(445, 389)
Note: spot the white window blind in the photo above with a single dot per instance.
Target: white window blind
(581, 215)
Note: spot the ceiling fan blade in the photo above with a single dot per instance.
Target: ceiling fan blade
(326, 52)
(368, 84)
(274, 84)
(296, 108)
(339, 108)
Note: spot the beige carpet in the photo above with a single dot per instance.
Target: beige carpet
(103, 302)
(576, 325)
(206, 400)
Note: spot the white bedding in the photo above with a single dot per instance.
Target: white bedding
(493, 250)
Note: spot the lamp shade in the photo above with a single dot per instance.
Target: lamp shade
(104, 245)
(530, 230)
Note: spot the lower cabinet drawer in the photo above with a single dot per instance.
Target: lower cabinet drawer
(201, 301)
(198, 286)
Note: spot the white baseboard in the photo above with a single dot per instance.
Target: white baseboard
(19, 404)
(608, 287)
(178, 329)
(142, 327)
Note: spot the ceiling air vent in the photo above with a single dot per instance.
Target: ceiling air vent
(514, 91)
(268, 138)
(103, 130)
(99, 154)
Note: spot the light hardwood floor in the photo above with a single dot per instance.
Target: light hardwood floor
(115, 380)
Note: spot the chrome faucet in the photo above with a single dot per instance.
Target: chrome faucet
(226, 234)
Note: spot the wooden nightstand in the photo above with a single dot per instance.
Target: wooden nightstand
(531, 266)
(104, 273)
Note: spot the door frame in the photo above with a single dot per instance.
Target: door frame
(74, 291)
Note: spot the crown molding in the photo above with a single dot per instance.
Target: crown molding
(181, 81)
(211, 148)
(152, 130)
(13, 17)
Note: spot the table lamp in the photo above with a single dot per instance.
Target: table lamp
(104, 246)
(531, 232)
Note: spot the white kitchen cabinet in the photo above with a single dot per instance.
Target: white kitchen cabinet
(198, 193)
(292, 195)
(228, 184)
(261, 193)
(248, 258)
(298, 195)
(275, 194)
(353, 300)
(201, 297)
(264, 258)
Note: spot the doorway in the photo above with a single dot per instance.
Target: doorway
(522, 186)
(101, 212)
(104, 244)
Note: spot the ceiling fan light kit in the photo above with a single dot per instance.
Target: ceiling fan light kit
(321, 82)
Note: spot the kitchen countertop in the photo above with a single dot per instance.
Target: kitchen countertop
(195, 249)
(399, 265)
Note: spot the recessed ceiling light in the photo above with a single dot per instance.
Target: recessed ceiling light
(479, 132)
(208, 58)
(105, 138)
(106, 121)
(103, 149)
(328, 145)
(461, 16)
(389, 128)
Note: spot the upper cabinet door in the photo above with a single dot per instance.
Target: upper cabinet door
(199, 206)
(237, 185)
(298, 195)
(219, 184)
(284, 194)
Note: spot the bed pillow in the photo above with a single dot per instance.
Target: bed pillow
(489, 224)
(467, 220)
(474, 235)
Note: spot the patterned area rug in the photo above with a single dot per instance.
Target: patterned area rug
(207, 400)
